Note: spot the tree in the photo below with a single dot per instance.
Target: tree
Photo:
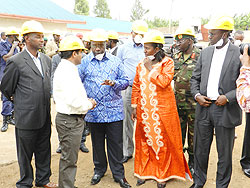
(101, 9)
(81, 7)
(204, 21)
(242, 21)
(159, 22)
(137, 11)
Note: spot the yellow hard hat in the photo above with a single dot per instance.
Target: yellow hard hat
(12, 31)
(98, 35)
(32, 27)
(222, 23)
(86, 37)
(113, 35)
(56, 32)
(184, 31)
(140, 27)
(71, 43)
(154, 36)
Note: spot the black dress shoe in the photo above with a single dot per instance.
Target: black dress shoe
(123, 183)
(140, 182)
(83, 148)
(96, 179)
(126, 158)
(196, 186)
(247, 172)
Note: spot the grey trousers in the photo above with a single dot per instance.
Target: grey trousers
(69, 128)
(203, 137)
(128, 124)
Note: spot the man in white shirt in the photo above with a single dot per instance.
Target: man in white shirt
(213, 84)
(71, 105)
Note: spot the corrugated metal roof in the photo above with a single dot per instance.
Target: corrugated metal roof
(104, 23)
(37, 8)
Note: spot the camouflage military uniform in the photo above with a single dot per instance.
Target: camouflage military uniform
(185, 102)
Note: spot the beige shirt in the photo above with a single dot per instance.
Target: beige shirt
(51, 48)
(68, 91)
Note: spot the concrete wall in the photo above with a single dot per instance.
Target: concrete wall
(5, 23)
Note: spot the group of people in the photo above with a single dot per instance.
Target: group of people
(122, 89)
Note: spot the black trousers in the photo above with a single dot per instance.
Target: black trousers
(113, 134)
(245, 158)
(203, 136)
(37, 142)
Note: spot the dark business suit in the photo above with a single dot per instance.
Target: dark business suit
(23, 84)
(223, 119)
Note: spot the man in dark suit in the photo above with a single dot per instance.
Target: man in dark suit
(26, 82)
(113, 39)
(213, 85)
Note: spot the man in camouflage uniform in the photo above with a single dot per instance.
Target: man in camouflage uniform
(185, 61)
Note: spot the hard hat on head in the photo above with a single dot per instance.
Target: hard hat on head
(184, 32)
(86, 37)
(56, 32)
(32, 27)
(221, 23)
(154, 36)
(113, 35)
(11, 31)
(71, 43)
(98, 35)
(140, 27)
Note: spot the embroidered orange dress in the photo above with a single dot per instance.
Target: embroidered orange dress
(158, 144)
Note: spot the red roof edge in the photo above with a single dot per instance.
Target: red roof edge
(4, 15)
(78, 29)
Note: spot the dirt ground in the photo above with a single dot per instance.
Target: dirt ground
(9, 171)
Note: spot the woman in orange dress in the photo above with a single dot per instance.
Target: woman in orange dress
(158, 145)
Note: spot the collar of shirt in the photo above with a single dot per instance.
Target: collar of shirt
(33, 57)
(222, 49)
(112, 49)
(36, 60)
(132, 43)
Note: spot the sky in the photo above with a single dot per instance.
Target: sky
(181, 9)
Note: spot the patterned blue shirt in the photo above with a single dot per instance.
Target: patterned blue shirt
(109, 100)
(5, 47)
(131, 55)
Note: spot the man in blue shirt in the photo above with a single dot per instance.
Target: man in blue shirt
(131, 54)
(7, 49)
(103, 77)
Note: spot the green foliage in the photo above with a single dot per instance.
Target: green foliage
(101, 9)
(204, 21)
(81, 7)
(137, 11)
(242, 21)
(159, 22)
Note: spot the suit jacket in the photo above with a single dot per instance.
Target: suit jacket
(23, 84)
(227, 84)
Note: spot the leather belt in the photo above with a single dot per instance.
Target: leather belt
(73, 115)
